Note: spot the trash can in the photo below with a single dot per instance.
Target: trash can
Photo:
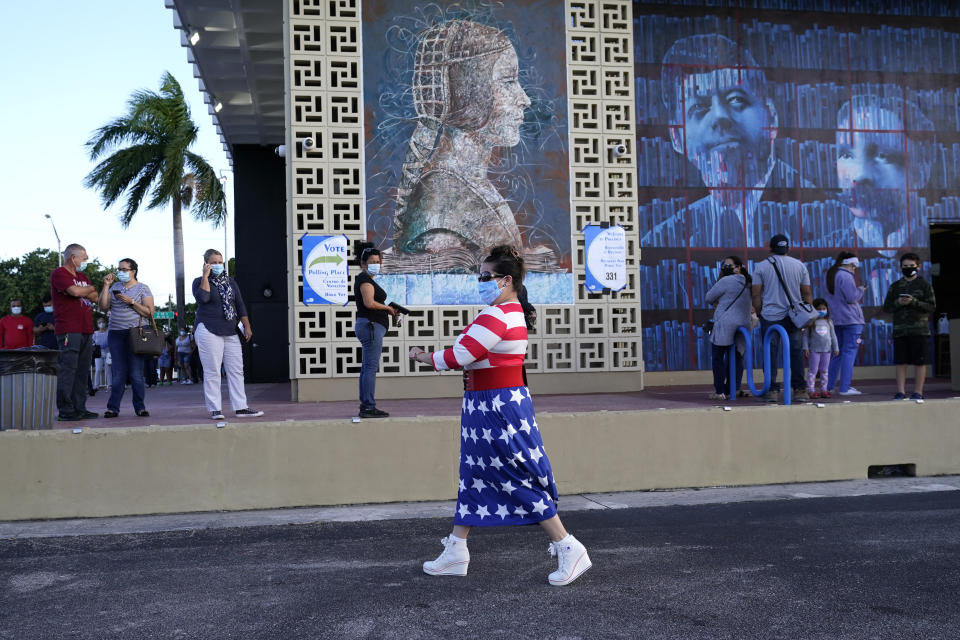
(28, 388)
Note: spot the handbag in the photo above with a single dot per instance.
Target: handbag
(801, 313)
(146, 341)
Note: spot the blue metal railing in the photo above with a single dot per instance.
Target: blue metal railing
(767, 370)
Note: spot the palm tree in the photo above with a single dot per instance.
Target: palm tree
(159, 131)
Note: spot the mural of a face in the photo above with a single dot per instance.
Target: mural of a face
(871, 165)
(727, 129)
(509, 102)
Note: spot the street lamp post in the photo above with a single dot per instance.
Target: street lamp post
(59, 253)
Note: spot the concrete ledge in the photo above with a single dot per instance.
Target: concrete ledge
(106, 472)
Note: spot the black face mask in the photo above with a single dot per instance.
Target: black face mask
(909, 271)
(726, 270)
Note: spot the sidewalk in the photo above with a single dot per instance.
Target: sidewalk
(444, 509)
(183, 404)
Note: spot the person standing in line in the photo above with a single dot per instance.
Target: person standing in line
(184, 347)
(911, 301)
(732, 300)
(130, 302)
(16, 329)
(43, 326)
(219, 309)
(73, 298)
(101, 353)
(166, 360)
(844, 298)
(373, 322)
(819, 341)
(773, 304)
(505, 474)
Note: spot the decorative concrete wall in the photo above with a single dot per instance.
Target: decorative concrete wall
(326, 196)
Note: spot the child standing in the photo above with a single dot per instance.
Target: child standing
(819, 341)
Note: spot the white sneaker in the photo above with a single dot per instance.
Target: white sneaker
(850, 392)
(572, 558)
(452, 562)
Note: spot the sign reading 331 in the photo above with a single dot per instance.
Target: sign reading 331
(606, 257)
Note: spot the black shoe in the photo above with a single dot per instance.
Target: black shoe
(143, 413)
(373, 413)
(70, 417)
(87, 415)
(110, 414)
(249, 413)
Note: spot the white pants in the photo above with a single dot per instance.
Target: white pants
(215, 350)
(101, 372)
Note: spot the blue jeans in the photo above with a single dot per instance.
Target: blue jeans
(721, 368)
(848, 341)
(125, 363)
(796, 352)
(370, 335)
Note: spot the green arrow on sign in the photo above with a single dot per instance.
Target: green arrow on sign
(335, 259)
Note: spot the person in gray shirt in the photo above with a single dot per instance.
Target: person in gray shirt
(130, 303)
(771, 302)
(732, 300)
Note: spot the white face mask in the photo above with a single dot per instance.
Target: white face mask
(16, 310)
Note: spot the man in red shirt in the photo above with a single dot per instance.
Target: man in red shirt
(73, 299)
(16, 330)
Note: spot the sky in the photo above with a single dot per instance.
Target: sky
(69, 67)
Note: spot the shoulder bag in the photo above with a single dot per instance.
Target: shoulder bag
(801, 313)
(708, 325)
(146, 341)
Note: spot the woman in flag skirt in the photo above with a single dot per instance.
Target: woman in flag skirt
(505, 476)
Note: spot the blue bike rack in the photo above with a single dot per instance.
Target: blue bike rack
(767, 373)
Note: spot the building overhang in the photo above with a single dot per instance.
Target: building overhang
(236, 49)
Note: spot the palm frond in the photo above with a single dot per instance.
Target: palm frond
(115, 173)
(136, 193)
(210, 203)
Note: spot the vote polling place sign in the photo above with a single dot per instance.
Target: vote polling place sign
(324, 269)
(606, 248)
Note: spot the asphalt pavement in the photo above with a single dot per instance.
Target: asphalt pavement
(874, 566)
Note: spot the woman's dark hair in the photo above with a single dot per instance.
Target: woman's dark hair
(743, 268)
(368, 252)
(133, 266)
(832, 271)
(507, 261)
(821, 301)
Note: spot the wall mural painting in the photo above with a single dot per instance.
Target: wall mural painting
(466, 125)
(840, 130)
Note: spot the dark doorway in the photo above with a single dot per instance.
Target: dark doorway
(945, 278)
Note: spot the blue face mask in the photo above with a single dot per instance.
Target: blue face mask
(373, 269)
(822, 314)
(48, 309)
(216, 269)
(83, 265)
(489, 291)
(123, 276)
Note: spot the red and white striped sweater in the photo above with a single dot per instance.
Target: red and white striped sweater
(496, 338)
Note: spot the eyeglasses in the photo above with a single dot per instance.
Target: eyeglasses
(486, 276)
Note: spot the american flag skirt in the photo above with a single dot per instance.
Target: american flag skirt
(505, 475)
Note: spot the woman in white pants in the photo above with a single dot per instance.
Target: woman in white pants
(219, 310)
